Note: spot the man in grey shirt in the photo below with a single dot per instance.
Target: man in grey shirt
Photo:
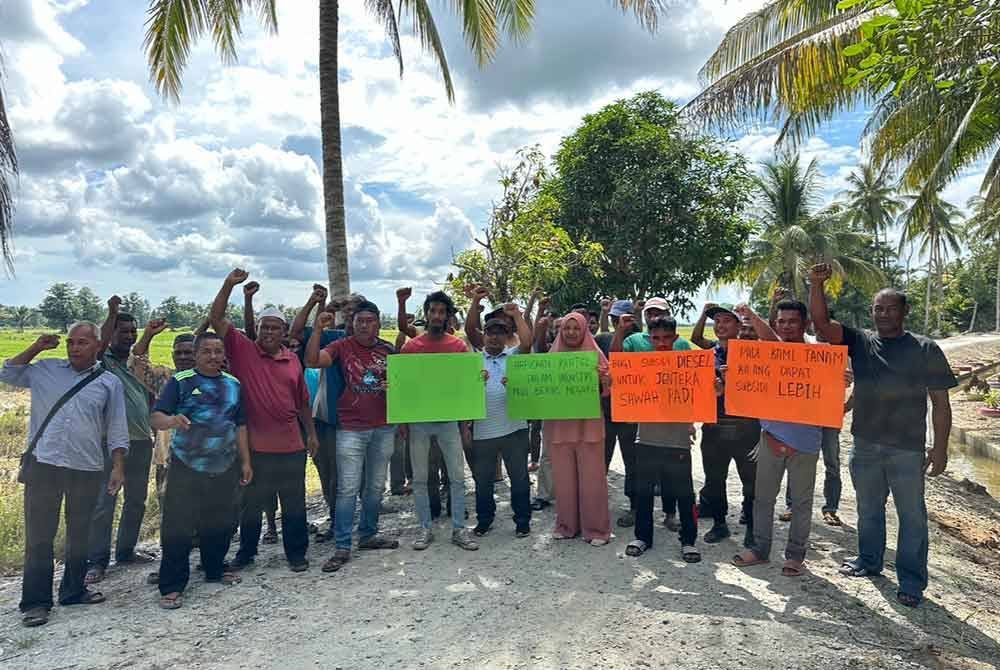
(68, 461)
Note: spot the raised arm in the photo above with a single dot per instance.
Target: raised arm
(605, 322)
(523, 329)
(317, 297)
(760, 326)
(17, 371)
(831, 330)
(541, 333)
(402, 295)
(202, 327)
(108, 327)
(698, 334)
(315, 356)
(249, 325)
(473, 321)
(625, 323)
(217, 315)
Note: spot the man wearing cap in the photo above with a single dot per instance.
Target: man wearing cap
(277, 404)
(655, 308)
(731, 438)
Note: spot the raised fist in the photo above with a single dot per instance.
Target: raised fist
(606, 305)
(156, 326)
(319, 294)
(708, 306)
(511, 310)
(250, 290)
(325, 320)
(237, 276)
(47, 342)
(744, 311)
(820, 273)
(404, 294)
(114, 303)
(626, 322)
(480, 293)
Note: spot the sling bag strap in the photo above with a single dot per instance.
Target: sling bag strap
(59, 404)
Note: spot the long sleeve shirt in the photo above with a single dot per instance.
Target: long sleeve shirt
(86, 429)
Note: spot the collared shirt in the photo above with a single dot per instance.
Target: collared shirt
(496, 424)
(640, 342)
(274, 389)
(136, 397)
(75, 437)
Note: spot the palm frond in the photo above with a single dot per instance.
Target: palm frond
(647, 12)
(386, 15)
(8, 181)
(516, 17)
(425, 28)
(479, 25)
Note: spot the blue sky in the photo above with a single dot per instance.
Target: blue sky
(124, 192)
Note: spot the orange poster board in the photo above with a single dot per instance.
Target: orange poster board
(785, 381)
(663, 386)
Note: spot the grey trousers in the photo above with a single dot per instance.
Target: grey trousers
(546, 489)
(801, 484)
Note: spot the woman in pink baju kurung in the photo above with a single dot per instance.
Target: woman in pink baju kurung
(576, 448)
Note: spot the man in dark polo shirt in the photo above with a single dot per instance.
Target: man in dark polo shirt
(276, 403)
(894, 373)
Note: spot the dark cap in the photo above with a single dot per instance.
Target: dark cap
(721, 308)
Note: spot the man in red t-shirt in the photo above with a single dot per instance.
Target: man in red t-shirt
(276, 401)
(438, 310)
(364, 440)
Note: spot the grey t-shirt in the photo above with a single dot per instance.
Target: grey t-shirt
(672, 435)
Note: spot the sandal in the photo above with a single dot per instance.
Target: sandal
(793, 568)
(831, 519)
(95, 575)
(907, 599)
(270, 537)
(690, 554)
(785, 516)
(532, 467)
(849, 569)
(88, 598)
(36, 616)
(378, 542)
(559, 536)
(227, 578)
(626, 520)
(597, 542)
(337, 561)
(636, 548)
(747, 558)
(171, 601)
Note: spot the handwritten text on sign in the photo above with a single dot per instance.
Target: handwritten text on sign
(785, 381)
(553, 386)
(663, 386)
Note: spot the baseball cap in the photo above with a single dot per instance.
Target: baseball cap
(274, 313)
(497, 321)
(621, 307)
(721, 308)
(656, 303)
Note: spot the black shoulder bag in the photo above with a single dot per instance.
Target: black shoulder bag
(22, 473)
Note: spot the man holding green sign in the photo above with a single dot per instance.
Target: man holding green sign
(455, 391)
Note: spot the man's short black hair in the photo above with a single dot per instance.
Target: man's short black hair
(667, 323)
(896, 293)
(184, 337)
(793, 305)
(205, 337)
(367, 306)
(442, 298)
(593, 315)
(580, 305)
(124, 316)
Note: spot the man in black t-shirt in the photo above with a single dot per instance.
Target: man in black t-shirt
(894, 373)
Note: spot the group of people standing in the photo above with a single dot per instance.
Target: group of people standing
(232, 426)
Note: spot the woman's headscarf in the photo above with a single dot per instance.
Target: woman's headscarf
(577, 430)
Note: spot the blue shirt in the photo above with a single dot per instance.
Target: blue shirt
(333, 375)
(215, 410)
(799, 436)
(75, 438)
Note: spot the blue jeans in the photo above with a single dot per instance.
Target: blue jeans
(360, 453)
(450, 441)
(876, 471)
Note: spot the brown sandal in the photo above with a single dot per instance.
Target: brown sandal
(339, 559)
(793, 568)
(171, 601)
(747, 558)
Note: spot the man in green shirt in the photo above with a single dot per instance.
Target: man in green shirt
(655, 308)
(118, 334)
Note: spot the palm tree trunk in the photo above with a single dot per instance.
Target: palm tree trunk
(928, 294)
(333, 168)
(998, 286)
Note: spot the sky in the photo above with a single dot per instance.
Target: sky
(122, 191)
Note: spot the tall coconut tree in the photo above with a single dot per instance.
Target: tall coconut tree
(173, 26)
(872, 205)
(984, 223)
(936, 231)
(793, 234)
(8, 181)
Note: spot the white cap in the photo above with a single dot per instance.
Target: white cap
(656, 303)
(274, 313)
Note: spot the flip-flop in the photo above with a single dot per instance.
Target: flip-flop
(171, 601)
(831, 519)
(95, 575)
(793, 568)
(36, 616)
(690, 555)
(748, 558)
(636, 548)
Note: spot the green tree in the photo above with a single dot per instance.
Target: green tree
(8, 180)
(872, 205)
(936, 232)
(137, 306)
(665, 204)
(59, 307)
(22, 316)
(792, 235)
(521, 246)
(984, 224)
(173, 311)
(88, 306)
(173, 27)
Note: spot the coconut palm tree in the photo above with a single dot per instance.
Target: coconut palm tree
(936, 231)
(8, 180)
(984, 223)
(872, 205)
(793, 235)
(174, 25)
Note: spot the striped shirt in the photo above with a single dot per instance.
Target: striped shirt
(496, 424)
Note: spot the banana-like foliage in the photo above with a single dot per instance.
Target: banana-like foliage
(8, 182)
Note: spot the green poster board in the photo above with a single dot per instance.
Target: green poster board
(435, 387)
(553, 386)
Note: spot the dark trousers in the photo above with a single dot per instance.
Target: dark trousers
(283, 475)
(400, 466)
(325, 462)
(44, 491)
(624, 435)
(196, 501)
(514, 449)
(535, 439)
(669, 469)
(437, 478)
(721, 444)
(140, 455)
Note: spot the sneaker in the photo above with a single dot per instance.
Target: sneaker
(522, 531)
(482, 529)
(717, 534)
(424, 539)
(462, 538)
